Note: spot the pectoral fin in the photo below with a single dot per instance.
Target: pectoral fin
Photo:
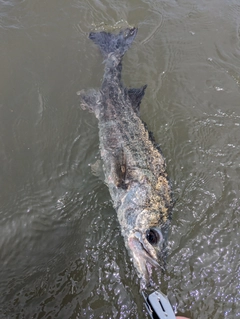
(97, 169)
(121, 169)
(90, 100)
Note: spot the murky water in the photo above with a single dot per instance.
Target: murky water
(61, 251)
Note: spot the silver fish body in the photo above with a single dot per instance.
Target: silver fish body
(134, 168)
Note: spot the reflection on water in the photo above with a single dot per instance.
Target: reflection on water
(61, 251)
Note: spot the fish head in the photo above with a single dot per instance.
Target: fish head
(147, 243)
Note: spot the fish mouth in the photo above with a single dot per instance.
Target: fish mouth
(144, 258)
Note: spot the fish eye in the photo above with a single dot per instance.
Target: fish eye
(154, 236)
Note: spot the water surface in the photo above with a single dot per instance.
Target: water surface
(61, 250)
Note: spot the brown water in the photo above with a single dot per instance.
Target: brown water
(61, 251)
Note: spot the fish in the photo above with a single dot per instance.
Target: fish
(133, 164)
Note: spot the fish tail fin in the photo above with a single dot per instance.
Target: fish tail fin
(114, 43)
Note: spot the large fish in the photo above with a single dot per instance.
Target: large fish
(134, 168)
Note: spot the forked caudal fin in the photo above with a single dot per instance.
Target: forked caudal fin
(114, 43)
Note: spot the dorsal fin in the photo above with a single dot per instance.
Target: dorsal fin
(135, 96)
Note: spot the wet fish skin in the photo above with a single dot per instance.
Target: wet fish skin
(134, 168)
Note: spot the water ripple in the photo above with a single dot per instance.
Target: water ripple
(61, 250)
